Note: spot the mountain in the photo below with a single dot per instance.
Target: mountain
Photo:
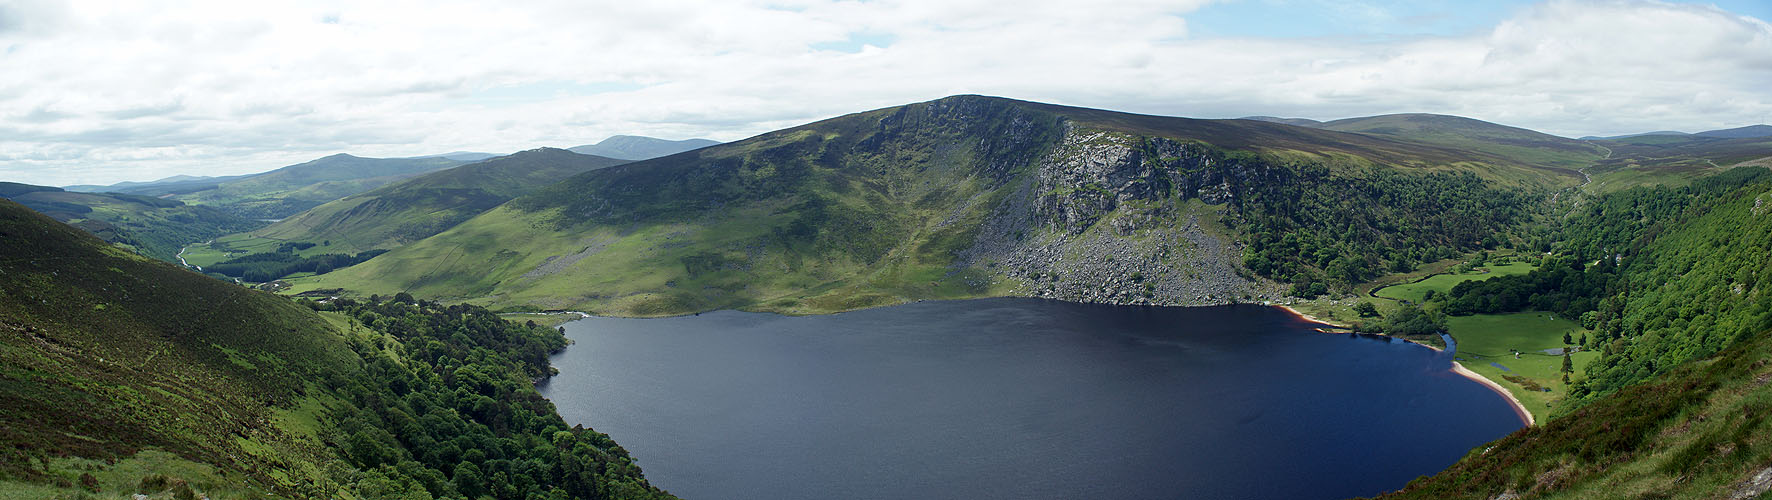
(1628, 136)
(289, 190)
(155, 227)
(1731, 133)
(177, 184)
(125, 375)
(169, 183)
(630, 147)
(1302, 122)
(970, 196)
(422, 206)
(1740, 132)
(462, 156)
(1476, 135)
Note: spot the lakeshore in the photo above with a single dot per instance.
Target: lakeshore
(1519, 407)
(989, 385)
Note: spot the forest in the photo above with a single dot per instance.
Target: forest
(264, 267)
(1663, 275)
(456, 413)
(1322, 231)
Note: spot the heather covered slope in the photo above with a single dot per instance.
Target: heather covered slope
(970, 196)
(417, 208)
(120, 374)
(107, 354)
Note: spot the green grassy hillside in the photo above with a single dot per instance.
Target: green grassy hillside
(155, 227)
(417, 208)
(289, 190)
(120, 374)
(970, 196)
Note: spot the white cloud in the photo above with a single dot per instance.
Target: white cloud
(96, 92)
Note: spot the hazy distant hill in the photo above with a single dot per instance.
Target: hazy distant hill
(168, 184)
(419, 207)
(462, 155)
(1675, 159)
(630, 147)
(969, 196)
(1476, 135)
(1628, 136)
(1729, 133)
(289, 190)
(1302, 122)
(1740, 132)
(156, 227)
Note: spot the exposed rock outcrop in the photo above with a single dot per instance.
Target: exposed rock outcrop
(1115, 218)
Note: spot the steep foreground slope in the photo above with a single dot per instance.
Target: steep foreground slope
(119, 374)
(153, 226)
(417, 208)
(1699, 431)
(970, 196)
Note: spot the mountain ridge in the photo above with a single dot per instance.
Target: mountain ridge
(421, 206)
(895, 204)
(635, 148)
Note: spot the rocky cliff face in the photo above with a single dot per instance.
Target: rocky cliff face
(1092, 173)
(1110, 217)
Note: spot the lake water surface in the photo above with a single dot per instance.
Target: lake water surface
(1019, 398)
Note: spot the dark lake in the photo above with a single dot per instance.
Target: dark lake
(1020, 398)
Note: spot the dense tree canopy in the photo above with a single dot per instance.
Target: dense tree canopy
(1319, 229)
(1663, 275)
(456, 412)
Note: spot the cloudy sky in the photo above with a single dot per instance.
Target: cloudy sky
(95, 92)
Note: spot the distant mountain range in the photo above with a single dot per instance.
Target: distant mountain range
(290, 190)
(1728, 133)
(422, 206)
(635, 148)
(462, 156)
